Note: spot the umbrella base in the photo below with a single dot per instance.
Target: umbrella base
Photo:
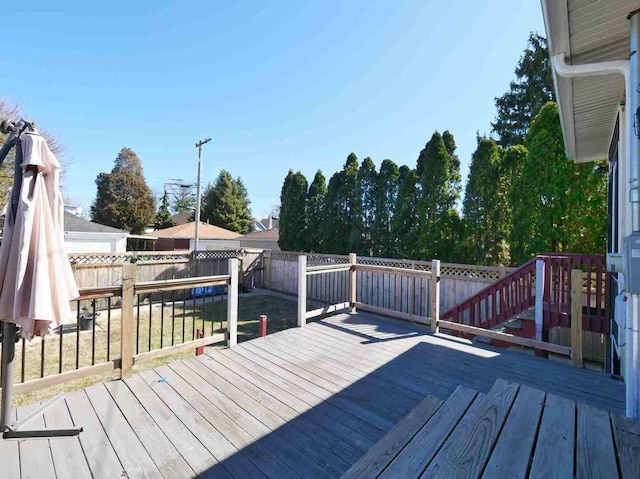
(14, 431)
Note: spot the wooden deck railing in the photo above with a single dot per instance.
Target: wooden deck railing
(415, 297)
(140, 321)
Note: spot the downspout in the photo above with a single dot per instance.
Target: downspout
(622, 67)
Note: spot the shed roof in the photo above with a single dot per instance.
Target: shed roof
(76, 224)
(272, 234)
(188, 230)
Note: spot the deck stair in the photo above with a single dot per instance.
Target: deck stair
(507, 305)
(513, 431)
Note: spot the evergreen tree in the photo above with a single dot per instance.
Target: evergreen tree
(336, 227)
(404, 225)
(367, 182)
(316, 197)
(293, 200)
(352, 203)
(386, 198)
(184, 201)
(226, 204)
(123, 199)
(559, 206)
(163, 216)
(438, 221)
(486, 212)
(527, 95)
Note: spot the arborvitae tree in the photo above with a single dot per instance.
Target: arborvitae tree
(163, 216)
(486, 210)
(527, 95)
(316, 197)
(559, 206)
(404, 225)
(386, 199)
(123, 199)
(438, 220)
(336, 228)
(226, 204)
(293, 214)
(352, 203)
(367, 181)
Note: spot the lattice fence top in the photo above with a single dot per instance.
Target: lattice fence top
(219, 254)
(148, 257)
(450, 270)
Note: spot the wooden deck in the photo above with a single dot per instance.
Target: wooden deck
(300, 403)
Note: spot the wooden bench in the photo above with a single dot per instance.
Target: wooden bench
(513, 431)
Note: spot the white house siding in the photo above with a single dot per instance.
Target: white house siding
(215, 244)
(95, 243)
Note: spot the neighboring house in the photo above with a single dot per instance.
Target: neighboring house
(261, 239)
(265, 223)
(181, 218)
(595, 52)
(82, 236)
(181, 237)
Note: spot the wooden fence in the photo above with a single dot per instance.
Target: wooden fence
(105, 269)
(401, 293)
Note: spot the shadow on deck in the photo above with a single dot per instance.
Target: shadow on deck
(299, 403)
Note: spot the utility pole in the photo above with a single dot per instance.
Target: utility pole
(199, 146)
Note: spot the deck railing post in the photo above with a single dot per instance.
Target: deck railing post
(576, 318)
(539, 298)
(232, 303)
(302, 291)
(127, 327)
(434, 304)
(352, 283)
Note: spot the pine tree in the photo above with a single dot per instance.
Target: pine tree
(123, 199)
(559, 206)
(527, 95)
(367, 182)
(438, 221)
(404, 225)
(487, 215)
(293, 215)
(386, 198)
(316, 197)
(163, 216)
(225, 203)
(184, 201)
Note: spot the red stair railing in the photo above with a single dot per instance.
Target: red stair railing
(515, 293)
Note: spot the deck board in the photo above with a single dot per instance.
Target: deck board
(312, 402)
(38, 463)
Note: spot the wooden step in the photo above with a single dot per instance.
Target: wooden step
(378, 458)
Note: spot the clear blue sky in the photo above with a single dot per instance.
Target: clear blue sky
(277, 85)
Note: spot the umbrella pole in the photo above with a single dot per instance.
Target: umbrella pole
(9, 428)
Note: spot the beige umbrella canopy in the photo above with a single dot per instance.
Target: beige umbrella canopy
(36, 280)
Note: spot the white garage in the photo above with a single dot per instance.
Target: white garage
(82, 236)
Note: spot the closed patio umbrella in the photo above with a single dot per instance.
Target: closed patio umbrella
(36, 280)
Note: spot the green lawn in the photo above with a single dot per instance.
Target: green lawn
(187, 317)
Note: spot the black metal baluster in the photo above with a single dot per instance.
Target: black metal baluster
(60, 351)
(184, 315)
(138, 324)
(150, 316)
(173, 317)
(161, 319)
(77, 334)
(42, 343)
(22, 365)
(193, 319)
(93, 333)
(108, 329)
(203, 310)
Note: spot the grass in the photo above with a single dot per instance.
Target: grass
(158, 325)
